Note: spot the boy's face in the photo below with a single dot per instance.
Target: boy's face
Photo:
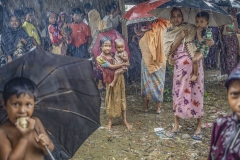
(77, 18)
(201, 22)
(106, 47)
(120, 47)
(176, 18)
(14, 22)
(234, 97)
(30, 17)
(22, 106)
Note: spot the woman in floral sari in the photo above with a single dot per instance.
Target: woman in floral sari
(187, 95)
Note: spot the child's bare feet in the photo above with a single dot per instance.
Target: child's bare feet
(193, 78)
(109, 126)
(111, 84)
(129, 126)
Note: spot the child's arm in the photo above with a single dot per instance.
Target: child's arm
(199, 34)
(19, 151)
(124, 57)
(43, 139)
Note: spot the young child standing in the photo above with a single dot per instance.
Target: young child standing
(225, 141)
(115, 100)
(18, 142)
(202, 21)
(30, 28)
(81, 35)
(54, 33)
(120, 57)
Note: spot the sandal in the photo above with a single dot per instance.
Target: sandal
(198, 136)
(159, 111)
(146, 110)
(172, 134)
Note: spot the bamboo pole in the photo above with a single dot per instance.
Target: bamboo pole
(124, 26)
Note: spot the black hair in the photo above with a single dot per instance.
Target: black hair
(13, 15)
(68, 30)
(76, 11)
(18, 13)
(105, 39)
(28, 10)
(114, 5)
(108, 9)
(87, 6)
(203, 14)
(18, 86)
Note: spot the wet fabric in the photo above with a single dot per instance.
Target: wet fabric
(211, 61)
(79, 52)
(223, 134)
(172, 32)
(152, 85)
(95, 22)
(31, 31)
(80, 33)
(115, 101)
(151, 46)
(108, 74)
(54, 34)
(229, 53)
(187, 96)
(97, 70)
(11, 39)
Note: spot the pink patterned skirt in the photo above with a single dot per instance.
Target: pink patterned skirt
(187, 95)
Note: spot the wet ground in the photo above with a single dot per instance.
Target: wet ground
(142, 143)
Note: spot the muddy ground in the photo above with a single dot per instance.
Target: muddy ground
(142, 143)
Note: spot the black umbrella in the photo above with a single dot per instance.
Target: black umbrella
(218, 16)
(68, 103)
(226, 3)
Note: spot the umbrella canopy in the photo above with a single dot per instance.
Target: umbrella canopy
(139, 13)
(68, 102)
(94, 48)
(218, 16)
(227, 3)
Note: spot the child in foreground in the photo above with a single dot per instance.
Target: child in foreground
(225, 141)
(17, 142)
(115, 100)
(202, 21)
(120, 57)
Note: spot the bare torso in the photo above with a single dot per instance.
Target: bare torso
(33, 151)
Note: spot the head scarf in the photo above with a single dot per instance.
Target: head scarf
(152, 47)
(95, 22)
(11, 38)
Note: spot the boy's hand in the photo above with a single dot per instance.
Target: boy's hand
(184, 33)
(25, 132)
(199, 29)
(43, 140)
(23, 41)
(209, 42)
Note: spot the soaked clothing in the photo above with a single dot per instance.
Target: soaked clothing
(152, 85)
(115, 101)
(211, 61)
(31, 31)
(229, 53)
(11, 41)
(187, 95)
(223, 134)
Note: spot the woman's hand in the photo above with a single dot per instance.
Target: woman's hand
(209, 42)
(184, 33)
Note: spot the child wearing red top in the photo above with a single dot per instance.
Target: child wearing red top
(54, 34)
(81, 35)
